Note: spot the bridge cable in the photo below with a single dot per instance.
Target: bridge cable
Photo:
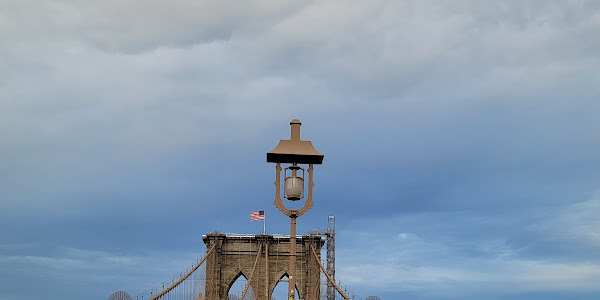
(185, 276)
(251, 274)
(328, 277)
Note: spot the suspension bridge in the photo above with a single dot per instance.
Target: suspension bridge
(259, 263)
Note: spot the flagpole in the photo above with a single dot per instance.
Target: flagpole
(265, 223)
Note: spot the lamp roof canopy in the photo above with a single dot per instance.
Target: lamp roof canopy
(295, 150)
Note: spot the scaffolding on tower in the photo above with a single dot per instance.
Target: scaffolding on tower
(331, 256)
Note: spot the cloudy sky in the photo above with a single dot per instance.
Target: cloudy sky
(460, 139)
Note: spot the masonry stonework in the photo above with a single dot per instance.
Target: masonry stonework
(235, 256)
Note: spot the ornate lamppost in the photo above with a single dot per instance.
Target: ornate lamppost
(295, 152)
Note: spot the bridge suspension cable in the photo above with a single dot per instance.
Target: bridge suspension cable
(327, 275)
(183, 278)
(251, 274)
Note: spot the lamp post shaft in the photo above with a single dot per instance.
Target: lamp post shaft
(292, 277)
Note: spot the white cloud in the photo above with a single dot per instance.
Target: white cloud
(441, 260)
(577, 221)
(101, 269)
(436, 269)
(70, 260)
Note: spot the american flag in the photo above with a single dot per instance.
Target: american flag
(257, 215)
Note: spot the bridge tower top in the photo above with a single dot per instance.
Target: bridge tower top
(264, 261)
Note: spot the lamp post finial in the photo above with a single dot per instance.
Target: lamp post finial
(295, 124)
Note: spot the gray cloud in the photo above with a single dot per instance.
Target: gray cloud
(139, 25)
(465, 130)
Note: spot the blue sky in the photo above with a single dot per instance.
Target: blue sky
(460, 140)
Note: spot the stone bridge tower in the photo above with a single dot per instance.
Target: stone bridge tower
(237, 255)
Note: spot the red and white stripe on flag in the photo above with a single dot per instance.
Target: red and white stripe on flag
(257, 215)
